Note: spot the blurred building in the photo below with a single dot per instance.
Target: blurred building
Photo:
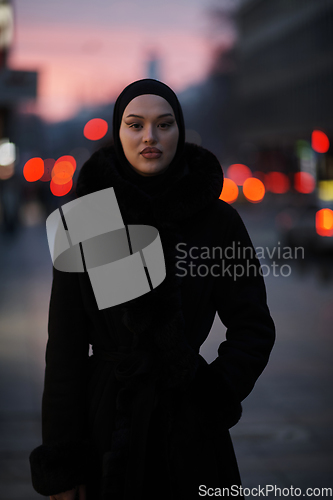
(284, 76)
(282, 112)
(153, 65)
(14, 87)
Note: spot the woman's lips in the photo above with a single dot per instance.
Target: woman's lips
(151, 155)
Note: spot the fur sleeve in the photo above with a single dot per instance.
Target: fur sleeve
(58, 468)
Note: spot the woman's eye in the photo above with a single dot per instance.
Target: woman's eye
(136, 126)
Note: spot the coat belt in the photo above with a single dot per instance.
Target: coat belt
(127, 366)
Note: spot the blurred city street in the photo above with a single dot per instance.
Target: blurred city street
(24, 293)
(254, 81)
(285, 436)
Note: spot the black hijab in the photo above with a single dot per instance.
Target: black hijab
(177, 168)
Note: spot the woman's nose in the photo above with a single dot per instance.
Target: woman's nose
(149, 134)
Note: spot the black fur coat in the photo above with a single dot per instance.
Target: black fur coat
(146, 416)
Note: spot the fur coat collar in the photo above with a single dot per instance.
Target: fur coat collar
(193, 192)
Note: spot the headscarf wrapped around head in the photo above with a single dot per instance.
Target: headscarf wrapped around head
(149, 184)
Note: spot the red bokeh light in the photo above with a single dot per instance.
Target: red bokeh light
(253, 189)
(320, 141)
(61, 190)
(33, 169)
(239, 173)
(277, 182)
(304, 182)
(95, 129)
(324, 222)
(229, 191)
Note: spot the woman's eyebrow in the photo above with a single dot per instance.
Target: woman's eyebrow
(160, 116)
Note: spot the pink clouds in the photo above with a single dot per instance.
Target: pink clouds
(80, 67)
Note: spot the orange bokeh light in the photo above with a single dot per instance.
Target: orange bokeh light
(253, 189)
(33, 169)
(95, 129)
(277, 182)
(229, 191)
(69, 158)
(324, 222)
(320, 141)
(304, 182)
(239, 173)
(62, 172)
(61, 190)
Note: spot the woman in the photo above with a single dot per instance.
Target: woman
(146, 416)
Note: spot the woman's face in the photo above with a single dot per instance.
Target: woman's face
(149, 122)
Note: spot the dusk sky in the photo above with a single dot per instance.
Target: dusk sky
(87, 51)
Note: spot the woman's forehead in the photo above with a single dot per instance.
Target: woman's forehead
(148, 104)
